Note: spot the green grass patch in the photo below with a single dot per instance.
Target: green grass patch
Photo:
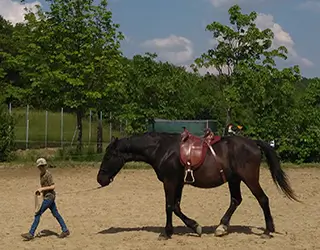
(69, 157)
(37, 129)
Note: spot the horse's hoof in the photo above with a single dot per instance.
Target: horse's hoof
(198, 230)
(266, 236)
(221, 230)
(164, 237)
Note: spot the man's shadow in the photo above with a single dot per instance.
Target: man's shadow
(183, 230)
(46, 233)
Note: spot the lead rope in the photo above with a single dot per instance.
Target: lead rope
(81, 191)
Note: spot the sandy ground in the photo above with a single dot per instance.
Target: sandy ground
(130, 214)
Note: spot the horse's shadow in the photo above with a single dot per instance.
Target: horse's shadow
(46, 233)
(183, 230)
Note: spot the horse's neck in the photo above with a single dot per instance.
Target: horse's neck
(140, 150)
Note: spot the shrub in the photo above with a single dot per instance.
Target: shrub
(7, 136)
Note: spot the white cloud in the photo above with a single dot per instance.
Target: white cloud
(313, 5)
(175, 49)
(281, 37)
(203, 70)
(14, 10)
(229, 3)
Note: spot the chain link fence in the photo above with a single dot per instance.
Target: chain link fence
(45, 129)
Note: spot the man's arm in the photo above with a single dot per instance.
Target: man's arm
(49, 181)
(51, 187)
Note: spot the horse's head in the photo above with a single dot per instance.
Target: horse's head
(111, 164)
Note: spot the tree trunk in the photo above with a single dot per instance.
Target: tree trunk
(79, 125)
(99, 135)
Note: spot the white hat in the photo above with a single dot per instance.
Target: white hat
(41, 162)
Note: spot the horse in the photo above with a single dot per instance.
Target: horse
(237, 157)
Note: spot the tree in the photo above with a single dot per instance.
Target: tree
(251, 86)
(7, 135)
(13, 87)
(74, 56)
(304, 144)
(242, 43)
(156, 90)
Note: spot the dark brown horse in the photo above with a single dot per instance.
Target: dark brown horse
(238, 158)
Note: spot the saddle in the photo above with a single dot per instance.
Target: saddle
(193, 150)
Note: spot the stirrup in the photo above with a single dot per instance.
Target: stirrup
(186, 174)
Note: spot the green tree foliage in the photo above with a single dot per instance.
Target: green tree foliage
(6, 133)
(73, 55)
(70, 57)
(13, 88)
(241, 44)
(304, 144)
(260, 95)
(156, 90)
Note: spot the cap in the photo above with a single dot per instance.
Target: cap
(41, 162)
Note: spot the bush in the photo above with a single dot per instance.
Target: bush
(7, 136)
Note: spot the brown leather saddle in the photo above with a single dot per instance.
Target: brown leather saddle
(193, 150)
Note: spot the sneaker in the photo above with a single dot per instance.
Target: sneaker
(64, 234)
(27, 236)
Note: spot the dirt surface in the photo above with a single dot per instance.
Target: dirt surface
(130, 214)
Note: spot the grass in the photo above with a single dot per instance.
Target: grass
(37, 121)
(68, 157)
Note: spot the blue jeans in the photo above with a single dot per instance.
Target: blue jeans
(47, 203)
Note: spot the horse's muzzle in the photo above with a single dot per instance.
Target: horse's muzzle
(104, 180)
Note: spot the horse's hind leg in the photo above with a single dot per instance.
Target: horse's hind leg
(263, 200)
(236, 199)
(177, 211)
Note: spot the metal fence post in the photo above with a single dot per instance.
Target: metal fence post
(46, 131)
(61, 128)
(90, 114)
(10, 113)
(27, 126)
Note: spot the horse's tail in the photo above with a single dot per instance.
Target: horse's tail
(278, 175)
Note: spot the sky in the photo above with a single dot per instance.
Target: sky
(175, 29)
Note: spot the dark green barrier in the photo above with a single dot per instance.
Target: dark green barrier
(196, 127)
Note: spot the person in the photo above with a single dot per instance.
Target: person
(230, 129)
(49, 195)
(209, 135)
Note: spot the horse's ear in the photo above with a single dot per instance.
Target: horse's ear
(113, 139)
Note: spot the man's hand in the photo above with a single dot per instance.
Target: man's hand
(39, 190)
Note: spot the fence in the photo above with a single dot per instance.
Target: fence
(43, 129)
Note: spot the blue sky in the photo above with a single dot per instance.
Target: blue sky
(175, 29)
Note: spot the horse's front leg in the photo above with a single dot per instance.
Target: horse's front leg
(169, 189)
(177, 211)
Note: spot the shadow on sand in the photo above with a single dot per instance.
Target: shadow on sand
(46, 233)
(182, 230)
